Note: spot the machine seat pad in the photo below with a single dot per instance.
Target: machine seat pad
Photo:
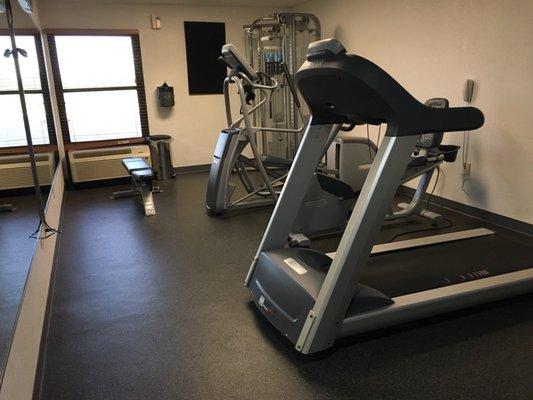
(335, 186)
(143, 175)
(138, 168)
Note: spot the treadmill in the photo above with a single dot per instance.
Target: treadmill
(311, 297)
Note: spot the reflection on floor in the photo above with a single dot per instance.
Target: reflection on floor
(154, 308)
(16, 249)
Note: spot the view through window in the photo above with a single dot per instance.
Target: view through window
(96, 77)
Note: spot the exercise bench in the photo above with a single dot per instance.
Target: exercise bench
(142, 176)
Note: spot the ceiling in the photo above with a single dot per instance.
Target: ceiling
(245, 3)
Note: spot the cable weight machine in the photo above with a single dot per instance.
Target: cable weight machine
(282, 38)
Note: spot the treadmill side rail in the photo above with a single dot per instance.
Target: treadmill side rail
(436, 301)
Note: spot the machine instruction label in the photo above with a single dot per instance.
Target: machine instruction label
(295, 265)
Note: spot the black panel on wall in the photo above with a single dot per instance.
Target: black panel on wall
(204, 41)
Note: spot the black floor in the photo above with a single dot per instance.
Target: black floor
(16, 250)
(154, 308)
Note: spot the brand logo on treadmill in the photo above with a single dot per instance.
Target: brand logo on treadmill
(482, 273)
(468, 276)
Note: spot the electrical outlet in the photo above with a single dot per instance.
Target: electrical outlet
(467, 168)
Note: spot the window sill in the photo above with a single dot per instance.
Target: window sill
(39, 148)
(103, 143)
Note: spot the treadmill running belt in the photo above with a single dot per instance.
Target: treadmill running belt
(410, 271)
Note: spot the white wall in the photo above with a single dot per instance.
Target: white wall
(431, 47)
(195, 121)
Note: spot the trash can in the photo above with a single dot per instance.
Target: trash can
(161, 160)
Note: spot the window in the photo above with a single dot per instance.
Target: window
(100, 87)
(12, 132)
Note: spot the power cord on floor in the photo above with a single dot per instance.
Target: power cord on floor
(432, 228)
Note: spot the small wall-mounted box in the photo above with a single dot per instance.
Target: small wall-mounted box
(165, 95)
(156, 22)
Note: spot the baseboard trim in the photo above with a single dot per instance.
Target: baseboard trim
(22, 191)
(70, 185)
(493, 218)
(40, 369)
(192, 168)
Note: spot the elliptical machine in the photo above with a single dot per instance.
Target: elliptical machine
(232, 141)
(328, 200)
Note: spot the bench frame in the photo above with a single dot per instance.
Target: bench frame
(145, 189)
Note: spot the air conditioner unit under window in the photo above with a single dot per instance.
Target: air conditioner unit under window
(15, 170)
(106, 163)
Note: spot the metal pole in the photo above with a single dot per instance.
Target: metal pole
(31, 153)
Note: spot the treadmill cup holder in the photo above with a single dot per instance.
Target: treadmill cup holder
(449, 152)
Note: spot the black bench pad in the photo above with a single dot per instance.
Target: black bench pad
(143, 175)
(138, 168)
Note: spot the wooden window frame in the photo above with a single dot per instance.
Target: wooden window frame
(139, 76)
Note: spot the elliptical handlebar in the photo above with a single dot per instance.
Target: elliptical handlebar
(247, 79)
(255, 85)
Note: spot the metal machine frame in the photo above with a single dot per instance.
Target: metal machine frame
(290, 33)
(142, 189)
(416, 205)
